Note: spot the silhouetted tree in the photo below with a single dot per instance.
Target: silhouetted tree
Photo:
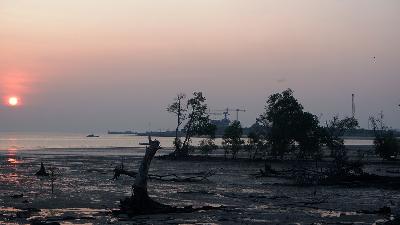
(207, 145)
(281, 114)
(334, 131)
(252, 143)
(178, 108)
(197, 121)
(232, 138)
(288, 124)
(385, 142)
(257, 141)
(309, 136)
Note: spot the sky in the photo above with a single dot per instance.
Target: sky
(95, 65)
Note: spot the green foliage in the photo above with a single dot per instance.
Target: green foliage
(256, 143)
(207, 146)
(387, 146)
(194, 113)
(207, 129)
(309, 136)
(289, 125)
(232, 138)
(333, 136)
(282, 113)
(385, 142)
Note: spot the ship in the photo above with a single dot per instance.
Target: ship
(122, 132)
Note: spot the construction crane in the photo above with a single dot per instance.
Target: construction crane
(224, 112)
(215, 113)
(237, 113)
(227, 110)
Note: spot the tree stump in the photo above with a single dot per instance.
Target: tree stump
(140, 202)
(42, 171)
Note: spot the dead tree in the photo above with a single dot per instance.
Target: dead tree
(42, 171)
(139, 202)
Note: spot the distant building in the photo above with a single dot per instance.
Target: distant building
(221, 125)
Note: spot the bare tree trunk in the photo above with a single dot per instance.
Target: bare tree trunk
(184, 151)
(141, 178)
(177, 145)
(140, 202)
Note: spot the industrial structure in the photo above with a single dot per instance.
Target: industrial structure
(353, 106)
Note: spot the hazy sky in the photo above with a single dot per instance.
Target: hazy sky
(93, 65)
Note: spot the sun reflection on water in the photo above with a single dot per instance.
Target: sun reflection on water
(12, 160)
(12, 157)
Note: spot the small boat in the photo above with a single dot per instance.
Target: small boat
(92, 135)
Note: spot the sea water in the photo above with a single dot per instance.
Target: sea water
(39, 140)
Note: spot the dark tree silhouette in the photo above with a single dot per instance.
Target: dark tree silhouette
(197, 121)
(385, 142)
(334, 131)
(309, 136)
(139, 202)
(288, 124)
(281, 115)
(179, 110)
(232, 138)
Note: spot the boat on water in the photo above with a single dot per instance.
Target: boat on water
(92, 135)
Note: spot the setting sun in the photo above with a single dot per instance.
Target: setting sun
(13, 101)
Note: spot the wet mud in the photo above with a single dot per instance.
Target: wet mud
(85, 193)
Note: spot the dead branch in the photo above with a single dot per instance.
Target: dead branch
(185, 177)
(140, 202)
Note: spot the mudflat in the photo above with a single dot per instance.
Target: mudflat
(85, 193)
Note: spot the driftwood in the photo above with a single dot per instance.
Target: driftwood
(185, 177)
(140, 203)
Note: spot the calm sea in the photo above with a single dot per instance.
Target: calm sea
(32, 141)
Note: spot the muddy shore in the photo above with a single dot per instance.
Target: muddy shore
(84, 192)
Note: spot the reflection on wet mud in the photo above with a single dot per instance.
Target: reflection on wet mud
(84, 193)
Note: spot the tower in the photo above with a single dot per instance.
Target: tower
(353, 106)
